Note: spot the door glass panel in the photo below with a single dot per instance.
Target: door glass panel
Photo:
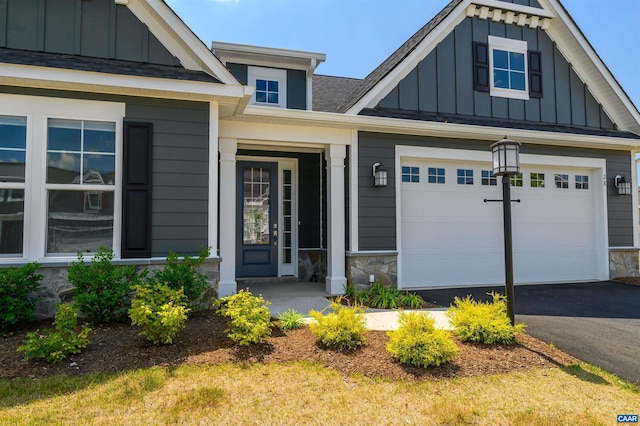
(256, 205)
(286, 216)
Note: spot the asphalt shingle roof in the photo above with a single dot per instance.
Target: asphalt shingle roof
(329, 92)
(108, 66)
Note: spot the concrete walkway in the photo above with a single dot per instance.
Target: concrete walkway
(305, 296)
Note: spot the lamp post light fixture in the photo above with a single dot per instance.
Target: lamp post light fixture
(379, 175)
(506, 162)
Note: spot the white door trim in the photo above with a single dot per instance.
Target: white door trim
(284, 163)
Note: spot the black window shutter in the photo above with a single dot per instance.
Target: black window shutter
(136, 197)
(481, 67)
(535, 74)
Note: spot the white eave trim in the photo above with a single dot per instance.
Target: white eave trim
(95, 82)
(433, 129)
(267, 56)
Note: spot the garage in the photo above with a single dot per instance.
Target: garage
(449, 236)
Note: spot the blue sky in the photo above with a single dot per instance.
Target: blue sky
(357, 35)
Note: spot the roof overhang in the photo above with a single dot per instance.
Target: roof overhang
(267, 56)
(432, 129)
(232, 98)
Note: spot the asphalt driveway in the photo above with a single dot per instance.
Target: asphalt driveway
(596, 322)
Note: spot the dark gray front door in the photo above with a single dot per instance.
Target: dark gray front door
(257, 219)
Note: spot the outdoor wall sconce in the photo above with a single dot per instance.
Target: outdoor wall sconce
(624, 188)
(379, 175)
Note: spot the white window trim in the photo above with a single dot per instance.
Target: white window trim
(509, 45)
(273, 74)
(38, 110)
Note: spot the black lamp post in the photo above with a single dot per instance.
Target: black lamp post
(506, 162)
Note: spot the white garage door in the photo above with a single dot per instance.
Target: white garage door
(451, 237)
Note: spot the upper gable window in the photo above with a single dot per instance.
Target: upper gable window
(508, 68)
(270, 84)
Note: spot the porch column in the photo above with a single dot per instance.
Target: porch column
(228, 149)
(336, 278)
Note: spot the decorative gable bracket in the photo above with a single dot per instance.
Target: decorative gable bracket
(521, 16)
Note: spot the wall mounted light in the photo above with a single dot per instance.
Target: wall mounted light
(624, 188)
(379, 175)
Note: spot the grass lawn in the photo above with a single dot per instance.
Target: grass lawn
(307, 393)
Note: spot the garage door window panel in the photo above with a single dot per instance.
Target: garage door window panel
(562, 181)
(436, 175)
(582, 182)
(410, 174)
(488, 179)
(516, 180)
(465, 177)
(537, 180)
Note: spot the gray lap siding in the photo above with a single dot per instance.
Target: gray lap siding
(180, 165)
(377, 206)
(180, 173)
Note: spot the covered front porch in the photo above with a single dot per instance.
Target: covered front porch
(282, 201)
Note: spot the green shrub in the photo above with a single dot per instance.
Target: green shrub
(160, 311)
(382, 297)
(184, 274)
(291, 319)
(411, 300)
(56, 345)
(417, 342)
(249, 317)
(16, 307)
(483, 322)
(102, 289)
(344, 328)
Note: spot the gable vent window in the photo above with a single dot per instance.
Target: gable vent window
(270, 84)
(505, 68)
(267, 92)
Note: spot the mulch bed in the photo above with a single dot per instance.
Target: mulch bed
(117, 347)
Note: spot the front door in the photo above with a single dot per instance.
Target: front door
(257, 219)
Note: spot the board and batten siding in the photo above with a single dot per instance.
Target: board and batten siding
(442, 82)
(97, 28)
(180, 172)
(377, 206)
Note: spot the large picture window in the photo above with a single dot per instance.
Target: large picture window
(13, 148)
(80, 185)
(60, 177)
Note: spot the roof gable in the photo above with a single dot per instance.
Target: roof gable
(135, 31)
(550, 17)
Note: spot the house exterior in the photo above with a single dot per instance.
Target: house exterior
(120, 128)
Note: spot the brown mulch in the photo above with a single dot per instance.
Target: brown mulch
(118, 347)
